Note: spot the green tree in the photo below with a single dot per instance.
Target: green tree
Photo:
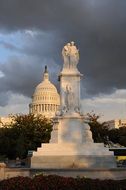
(25, 132)
(99, 129)
(113, 135)
(122, 136)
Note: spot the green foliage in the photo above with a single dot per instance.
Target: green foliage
(100, 131)
(25, 132)
(122, 136)
(114, 135)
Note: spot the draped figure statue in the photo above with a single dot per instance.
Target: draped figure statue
(69, 99)
(70, 55)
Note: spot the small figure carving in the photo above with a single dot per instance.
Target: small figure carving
(64, 110)
(70, 55)
(77, 109)
(87, 134)
(69, 100)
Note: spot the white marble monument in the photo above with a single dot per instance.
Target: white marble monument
(71, 144)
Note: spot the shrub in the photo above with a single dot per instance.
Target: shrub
(17, 183)
(54, 182)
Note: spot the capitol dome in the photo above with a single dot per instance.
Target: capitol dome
(45, 100)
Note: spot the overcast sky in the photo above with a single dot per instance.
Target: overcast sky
(32, 34)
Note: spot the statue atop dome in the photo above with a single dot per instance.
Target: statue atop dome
(46, 74)
(46, 70)
(70, 55)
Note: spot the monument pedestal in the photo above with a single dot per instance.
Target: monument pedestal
(71, 146)
(71, 128)
(72, 155)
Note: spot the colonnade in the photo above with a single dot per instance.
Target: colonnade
(44, 108)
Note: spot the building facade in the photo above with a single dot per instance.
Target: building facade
(116, 123)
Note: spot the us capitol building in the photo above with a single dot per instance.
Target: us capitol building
(45, 100)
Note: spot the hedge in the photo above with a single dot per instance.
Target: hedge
(54, 182)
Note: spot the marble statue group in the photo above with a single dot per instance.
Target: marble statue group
(70, 55)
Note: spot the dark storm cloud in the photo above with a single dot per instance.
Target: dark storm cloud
(9, 46)
(97, 26)
(21, 75)
(4, 97)
(18, 76)
(43, 44)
